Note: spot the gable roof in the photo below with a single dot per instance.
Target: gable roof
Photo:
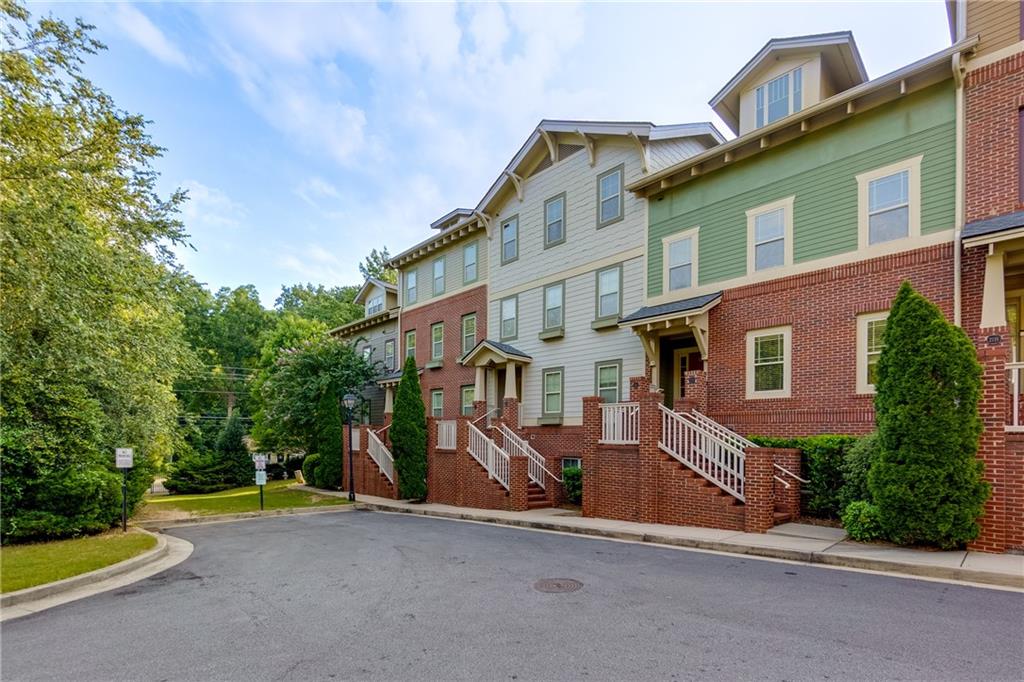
(369, 284)
(838, 51)
(650, 313)
(985, 230)
(583, 132)
(504, 350)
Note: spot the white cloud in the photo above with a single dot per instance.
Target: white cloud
(210, 207)
(139, 29)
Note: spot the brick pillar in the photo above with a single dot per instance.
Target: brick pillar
(995, 408)
(696, 391)
(463, 461)
(510, 413)
(362, 470)
(479, 409)
(345, 473)
(759, 490)
(649, 454)
(787, 499)
(431, 453)
(518, 480)
(588, 451)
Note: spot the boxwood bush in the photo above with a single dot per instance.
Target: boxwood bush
(309, 465)
(572, 480)
(822, 464)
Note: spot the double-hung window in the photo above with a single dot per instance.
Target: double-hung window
(439, 276)
(554, 221)
(410, 344)
(608, 379)
(770, 235)
(410, 287)
(375, 305)
(870, 328)
(681, 260)
(367, 353)
(509, 311)
(437, 341)
(437, 403)
(554, 311)
(609, 287)
(889, 201)
(552, 403)
(389, 354)
(468, 332)
(469, 254)
(779, 97)
(510, 240)
(468, 395)
(609, 196)
(768, 363)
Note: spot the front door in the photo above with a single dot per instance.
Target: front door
(683, 360)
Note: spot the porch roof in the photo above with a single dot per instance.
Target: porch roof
(985, 230)
(392, 378)
(688, 306)
(502, 350)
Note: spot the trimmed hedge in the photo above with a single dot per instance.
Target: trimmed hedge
(822, 462)
(309, 465)
(856, 464)
(862, 522)
(572, 480)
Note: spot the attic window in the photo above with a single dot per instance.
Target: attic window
(780, 97)
(375, 305)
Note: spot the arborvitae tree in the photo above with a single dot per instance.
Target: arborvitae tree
(231, 453)
(409, 435)
(329, 435)
(927, 479)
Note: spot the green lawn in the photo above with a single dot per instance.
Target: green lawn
(43, 562)
(276, 495)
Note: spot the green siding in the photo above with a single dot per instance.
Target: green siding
(820, 170)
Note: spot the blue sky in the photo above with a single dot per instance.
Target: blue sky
(309, 133)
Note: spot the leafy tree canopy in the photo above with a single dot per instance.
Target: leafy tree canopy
(375, 265)
(332, 306)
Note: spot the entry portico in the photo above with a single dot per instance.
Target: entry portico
(497, 378)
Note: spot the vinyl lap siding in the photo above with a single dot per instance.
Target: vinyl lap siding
(375, 338)
(820, 171)
(664, 153)
(996, 21)
(453, 268)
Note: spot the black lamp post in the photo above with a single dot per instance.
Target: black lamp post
(350, 403)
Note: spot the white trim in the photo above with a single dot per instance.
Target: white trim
(787, 362)
(446, 294)
(786, 205)
(878, 250)
(692, 234)
(999, 55)
(863, 387)
(600, 264)
(913, 168)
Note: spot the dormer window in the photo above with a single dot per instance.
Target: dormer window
(780, 97)
(375, 305)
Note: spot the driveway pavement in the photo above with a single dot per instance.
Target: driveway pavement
(378, 596)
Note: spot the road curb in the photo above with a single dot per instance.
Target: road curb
(100, 574)
(243, 516)
(818, 558)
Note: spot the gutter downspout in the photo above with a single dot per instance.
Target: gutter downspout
(958, 79)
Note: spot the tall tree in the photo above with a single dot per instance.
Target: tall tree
(375, 265)
(331, 305)
(330, 439)
(89, 339)
(927, 480)
(409, 435)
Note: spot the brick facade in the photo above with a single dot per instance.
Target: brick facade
(452, 376)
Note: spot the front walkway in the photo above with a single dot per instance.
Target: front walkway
(792, 541)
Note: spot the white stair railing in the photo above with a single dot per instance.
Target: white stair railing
(490, 455)
(446, 434)
(726, 434)
(717, 459)
(620, 423)
(516, 446)
(380, 454)
(1016, 422)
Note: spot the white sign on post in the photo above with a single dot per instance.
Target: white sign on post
(124, 457)
(261, 477)
(260, 461)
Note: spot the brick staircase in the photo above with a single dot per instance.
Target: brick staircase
(536, 498)
(707, 504)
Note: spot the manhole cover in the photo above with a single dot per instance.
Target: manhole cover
(557, 585)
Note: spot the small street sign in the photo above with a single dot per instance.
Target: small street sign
(261, 478)
(124, 458)
(260, 461)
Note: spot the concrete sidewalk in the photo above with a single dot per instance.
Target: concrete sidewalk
(792, 541)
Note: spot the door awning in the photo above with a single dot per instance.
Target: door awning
(670, 311)
(489, 352)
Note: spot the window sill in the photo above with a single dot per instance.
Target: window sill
(551, 334)
(604, 323)
(434, 364)
(549, 421)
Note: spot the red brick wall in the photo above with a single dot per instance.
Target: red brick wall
(369, 479)
(1015, 491)
(452, 376)
(993, 97)
(454, 477)
(822, 307)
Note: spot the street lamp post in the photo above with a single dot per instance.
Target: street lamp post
(350, 403)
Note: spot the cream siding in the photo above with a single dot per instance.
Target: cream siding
(665, 153)
(453, 269)
(812, 81)
(997, 22)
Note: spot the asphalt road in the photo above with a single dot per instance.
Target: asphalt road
(360, 595)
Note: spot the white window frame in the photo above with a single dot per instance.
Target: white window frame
(617, 366)
(515, 318)
(410, 348)
(466, 263)
(438, 278)
(367, 353)
(761, 97)
(597, 288)
(786, 205)
(547, 222)
(561, 306)
(411, 292)
(435, 344)
(466, 408)
(544, 393)
(787, 360)
(863, 322)
(437, 410)
(375, 305)
(514, 220)
(389, 360)
(620, 195)
(465, 319)
(913, 168)
(693, 234)
(578, 462)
